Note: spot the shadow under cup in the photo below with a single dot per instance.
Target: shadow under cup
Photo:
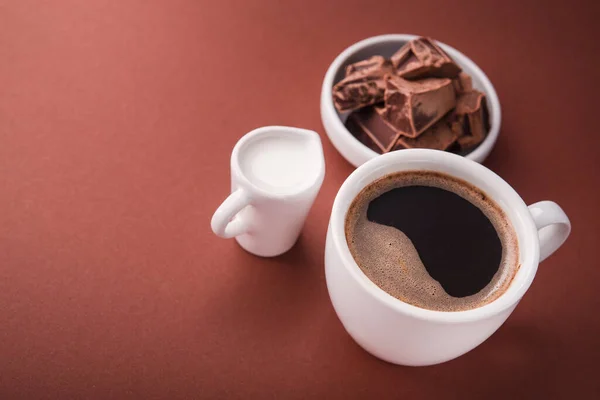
(475, 174)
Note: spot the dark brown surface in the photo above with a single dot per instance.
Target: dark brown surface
(116, 124)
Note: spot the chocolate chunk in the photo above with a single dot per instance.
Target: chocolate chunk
(455, 148)
(440, 136)
(368, 126)
(423, 58)
(373, 64)
(359, 133)
(471, 119)
(363, 85)
(463, 83)
(413, 106)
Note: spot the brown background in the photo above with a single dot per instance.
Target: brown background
(116, 123)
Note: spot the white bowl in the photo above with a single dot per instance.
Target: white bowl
(385, 45)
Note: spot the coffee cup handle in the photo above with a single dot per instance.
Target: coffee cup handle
(553, 226)
(224, 222)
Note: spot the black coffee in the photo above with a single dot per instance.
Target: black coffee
(432, 240)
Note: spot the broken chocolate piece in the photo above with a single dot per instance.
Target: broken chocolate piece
(418, 99)
(363, 85)
(454, 148)
(463, 83)
(440, 136)
(413, 106)
(358, 132)
(368, 122)
(374, 64)
(471, 120)
(423, 58)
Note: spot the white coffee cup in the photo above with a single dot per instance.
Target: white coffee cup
(404, 334)
(276, 173)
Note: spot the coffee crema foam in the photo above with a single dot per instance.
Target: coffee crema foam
(390, 260)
